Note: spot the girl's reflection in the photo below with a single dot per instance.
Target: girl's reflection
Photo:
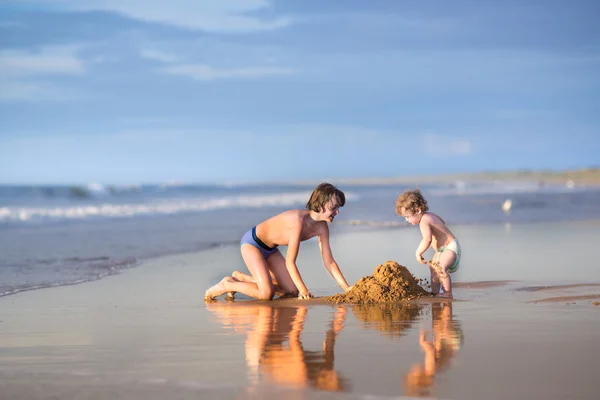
(447, 338)
(274, 351)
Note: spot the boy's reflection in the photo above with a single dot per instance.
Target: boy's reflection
(447, 338)
(274, 350)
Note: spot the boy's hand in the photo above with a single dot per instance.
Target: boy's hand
(421, 259)
(305, 296)
(349, 288)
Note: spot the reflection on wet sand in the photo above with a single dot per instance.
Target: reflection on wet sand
(273, 346)
(275, 353)
(446, 339)
(392, 319)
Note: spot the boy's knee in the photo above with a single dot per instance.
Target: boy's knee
(266, 293)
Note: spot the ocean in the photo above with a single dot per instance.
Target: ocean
(62, 235)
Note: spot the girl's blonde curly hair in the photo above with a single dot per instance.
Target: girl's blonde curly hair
(411, 200)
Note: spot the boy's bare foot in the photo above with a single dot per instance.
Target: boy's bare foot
(242, 277)
(444, 295)
(217, 289)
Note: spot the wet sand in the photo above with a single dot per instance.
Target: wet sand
(568, 299)
(481, 284)
(147, 334)
(558, 287)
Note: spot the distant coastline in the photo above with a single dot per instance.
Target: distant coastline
(575, 177)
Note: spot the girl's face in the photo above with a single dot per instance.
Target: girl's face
(412, 219)
(331, 210)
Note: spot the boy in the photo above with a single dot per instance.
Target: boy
(413, 207)
(265, 262)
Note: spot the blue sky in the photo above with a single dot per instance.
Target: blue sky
(132, 91)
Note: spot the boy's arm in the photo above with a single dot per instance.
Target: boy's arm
(290, 261)
(425, 227)
(330, 264)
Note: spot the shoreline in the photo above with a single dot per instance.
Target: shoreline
(350, 228)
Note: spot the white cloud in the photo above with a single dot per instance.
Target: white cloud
(439, 146)
(47, 61)
(203, 72)
(157, 55)
(32, 91)
(207, 15)
(24, 74)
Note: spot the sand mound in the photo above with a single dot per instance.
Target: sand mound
(390, 283)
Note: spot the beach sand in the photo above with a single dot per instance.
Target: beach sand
(523, 325)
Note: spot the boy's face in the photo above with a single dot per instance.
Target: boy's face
(331, 210)
(411, 218)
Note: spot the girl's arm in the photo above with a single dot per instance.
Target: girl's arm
(429, 351)
(425, 227)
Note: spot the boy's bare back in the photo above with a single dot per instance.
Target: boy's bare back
(277, 230)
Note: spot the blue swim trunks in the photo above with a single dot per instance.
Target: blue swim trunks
(251, 239)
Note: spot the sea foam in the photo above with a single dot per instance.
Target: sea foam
(157, 207)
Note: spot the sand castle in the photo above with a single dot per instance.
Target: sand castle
(390, 283)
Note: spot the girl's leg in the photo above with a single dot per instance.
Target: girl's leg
(262, 287)
(446, 260)
(435, 280)
(434, 276)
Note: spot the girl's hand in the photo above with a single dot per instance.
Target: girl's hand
(421, 259)
(305, 296)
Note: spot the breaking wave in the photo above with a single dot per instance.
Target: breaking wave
(157, 207)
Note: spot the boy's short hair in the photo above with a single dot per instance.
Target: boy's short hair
(322, 194)
(410, 201)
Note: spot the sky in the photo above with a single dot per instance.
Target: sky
(149, 91)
